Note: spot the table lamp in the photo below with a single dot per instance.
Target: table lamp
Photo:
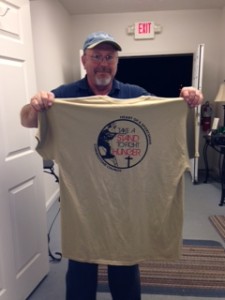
(220, 97)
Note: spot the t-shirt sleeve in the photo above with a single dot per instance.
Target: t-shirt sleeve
(44, 137)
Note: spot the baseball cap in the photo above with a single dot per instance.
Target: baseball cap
(100, 37)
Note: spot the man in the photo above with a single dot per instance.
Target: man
(100, 59)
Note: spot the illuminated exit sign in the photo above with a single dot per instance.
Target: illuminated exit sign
(144, 30)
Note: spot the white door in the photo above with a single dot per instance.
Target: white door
(23, 230)
(197, 82)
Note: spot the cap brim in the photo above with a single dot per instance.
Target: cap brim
(114, 44)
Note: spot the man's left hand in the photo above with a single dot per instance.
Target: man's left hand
(192, 96)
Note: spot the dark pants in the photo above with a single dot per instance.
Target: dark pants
(82, 281)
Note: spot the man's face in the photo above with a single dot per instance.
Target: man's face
(100, 64)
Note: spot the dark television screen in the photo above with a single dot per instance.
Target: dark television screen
(161, 75)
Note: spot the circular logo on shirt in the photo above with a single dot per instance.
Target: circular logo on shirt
(123, 143)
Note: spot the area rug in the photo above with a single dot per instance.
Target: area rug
(199, 272)
(219, 223)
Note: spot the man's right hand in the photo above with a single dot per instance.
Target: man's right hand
(40, 102)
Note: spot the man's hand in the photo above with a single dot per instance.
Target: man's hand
(42, 101)
(192, 96)
(39, 102)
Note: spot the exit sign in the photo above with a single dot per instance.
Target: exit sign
(144, 30)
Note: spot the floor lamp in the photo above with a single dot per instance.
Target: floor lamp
(220, 97)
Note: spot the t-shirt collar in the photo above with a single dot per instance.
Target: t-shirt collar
(83, 85)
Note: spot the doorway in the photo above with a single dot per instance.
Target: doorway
(162, 75)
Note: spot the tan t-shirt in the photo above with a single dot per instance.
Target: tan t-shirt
(121, 165)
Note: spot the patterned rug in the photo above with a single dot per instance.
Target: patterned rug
(199, 272)
(219, 223)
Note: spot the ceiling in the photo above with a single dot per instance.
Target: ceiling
(76, 7)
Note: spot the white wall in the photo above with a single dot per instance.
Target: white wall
(182, 32)
(58, 37)
(51, 26)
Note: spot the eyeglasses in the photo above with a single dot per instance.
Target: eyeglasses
(110, 59)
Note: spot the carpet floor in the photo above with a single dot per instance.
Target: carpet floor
(199, 272)
(219, 223)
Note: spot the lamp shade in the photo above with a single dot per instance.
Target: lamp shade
(220, 97)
